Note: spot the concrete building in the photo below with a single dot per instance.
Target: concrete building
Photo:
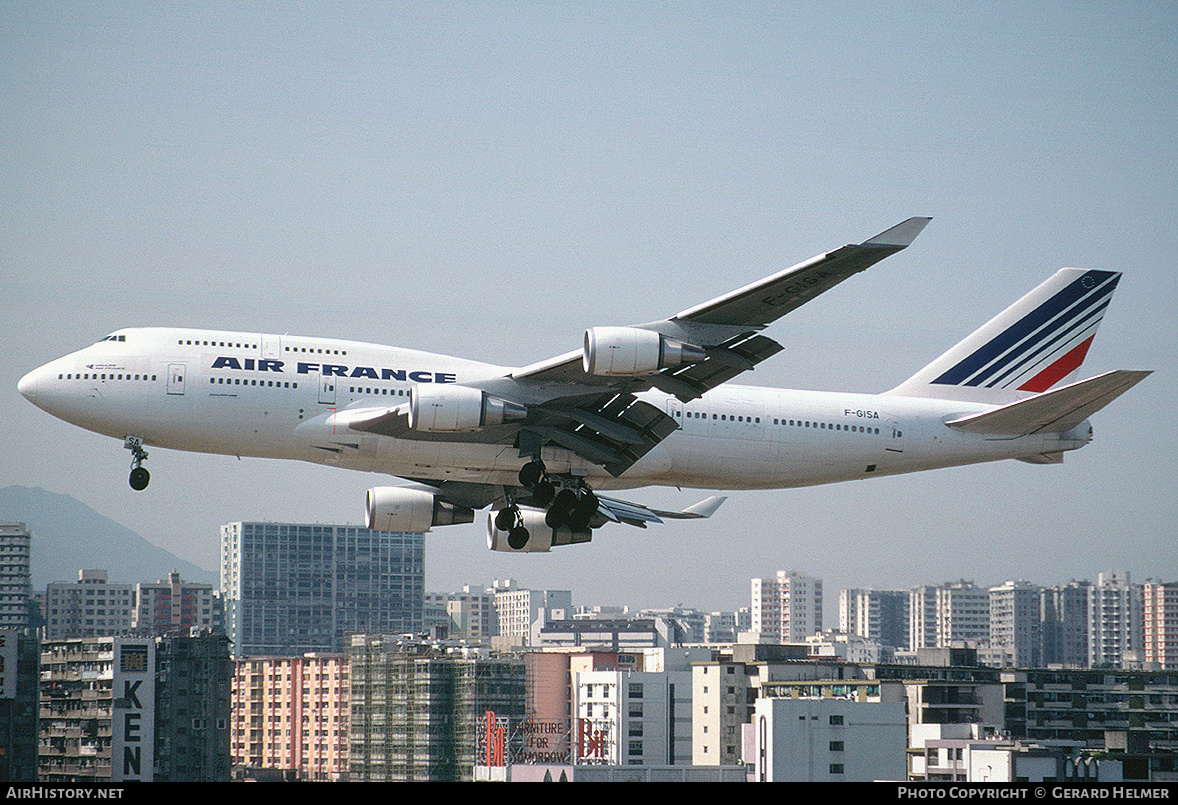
(292, 588)
(19, 699)
(725, 687)
(1063, 613)
(877, 615)
(852, 648)
(175, 606)
(974, 753)
(947, 686)
(686, 625)
(786, 608)
(193, 703)
(126, 709)
(15, 575)
(469, 614)
(634, 634)
(633, 718)
(1083, 705)
(1161, 624)
(826, 740)
(1116, 624)
(522, 614)
(291, 714)
(721, 627)
(1016, 635)
(92, 606)
(956, 613)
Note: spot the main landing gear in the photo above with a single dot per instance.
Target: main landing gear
(140, 477)
(572, 506)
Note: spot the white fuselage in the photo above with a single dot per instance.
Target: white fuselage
(250, 394)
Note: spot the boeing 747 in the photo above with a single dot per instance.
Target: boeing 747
(640, 405)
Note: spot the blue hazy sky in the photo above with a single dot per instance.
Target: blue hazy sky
(489, 179)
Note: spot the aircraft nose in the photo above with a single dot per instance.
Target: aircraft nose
(30, 385)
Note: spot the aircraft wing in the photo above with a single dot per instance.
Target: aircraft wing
(597, 414)
(610, 509)
(726, 327)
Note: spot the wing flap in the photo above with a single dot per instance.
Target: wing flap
(613, 430)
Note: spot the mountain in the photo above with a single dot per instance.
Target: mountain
(68, 535)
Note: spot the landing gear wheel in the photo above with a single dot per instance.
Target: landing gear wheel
(518, 537)
(558, 512)
(583, 511)
(543, 493)
(531, 474)
(507, 518)
(139, 479)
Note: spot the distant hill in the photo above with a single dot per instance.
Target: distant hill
(68, 535)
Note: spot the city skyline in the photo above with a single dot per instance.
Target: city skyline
(737, 585)
(487, 182)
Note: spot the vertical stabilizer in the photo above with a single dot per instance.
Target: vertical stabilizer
(1035, 344)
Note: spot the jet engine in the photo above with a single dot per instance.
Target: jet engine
(435, 408)
(631, 352)
(541, 538)
(397, 508)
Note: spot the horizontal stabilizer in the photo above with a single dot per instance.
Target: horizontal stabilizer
(1055, 411)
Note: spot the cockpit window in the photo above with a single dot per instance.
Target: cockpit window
(113, 337)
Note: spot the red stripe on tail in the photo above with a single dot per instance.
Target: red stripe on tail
(1060, 369)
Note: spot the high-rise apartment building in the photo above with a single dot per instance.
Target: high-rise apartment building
(948, 615)
(1063, 613)
(523, 613)
(291, 589)
(469, 614)
(786, 608)
(175, 606)
(291, 713)
(131, 709)
(192, 708)
(1016, 636)
(878, 615)
(1161, 623)
(15, 575)
(92, 606)
(1116, 627)
(20, 679)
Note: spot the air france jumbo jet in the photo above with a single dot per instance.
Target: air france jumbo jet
(643, 405)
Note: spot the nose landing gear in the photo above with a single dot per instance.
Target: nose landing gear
(140, 477)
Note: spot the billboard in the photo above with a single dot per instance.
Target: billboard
(132, 756)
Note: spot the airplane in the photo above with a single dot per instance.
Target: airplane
(640, 405)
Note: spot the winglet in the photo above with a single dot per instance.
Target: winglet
(705, 508)
(901, 235)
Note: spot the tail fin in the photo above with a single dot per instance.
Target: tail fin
(1034, 344)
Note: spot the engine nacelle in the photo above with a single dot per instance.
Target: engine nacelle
(435, 408)
(396, 508)
(632, 352)
(541, 538)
